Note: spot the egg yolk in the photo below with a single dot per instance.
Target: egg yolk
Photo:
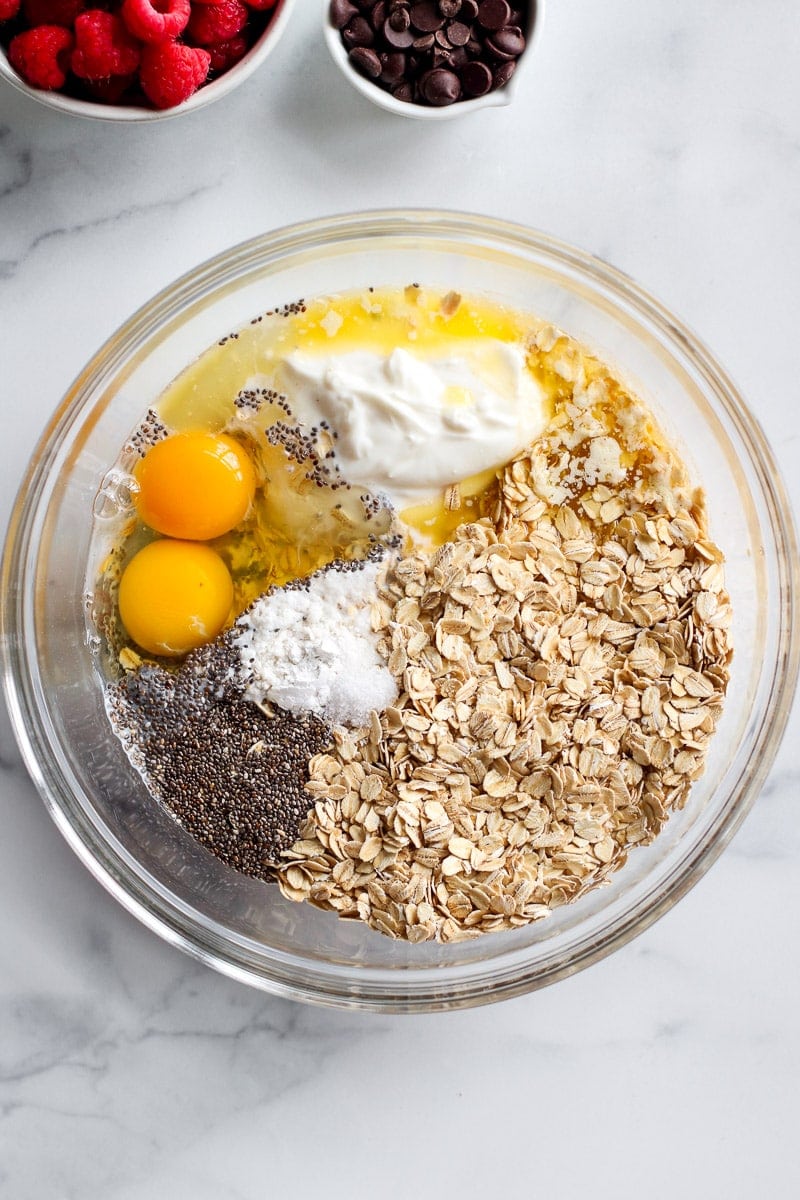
(174, 596)
(194, 486)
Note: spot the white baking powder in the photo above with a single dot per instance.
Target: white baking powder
(312, 649)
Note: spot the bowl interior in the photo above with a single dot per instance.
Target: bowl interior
(244, 926)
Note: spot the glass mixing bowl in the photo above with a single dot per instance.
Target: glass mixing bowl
(237, 924)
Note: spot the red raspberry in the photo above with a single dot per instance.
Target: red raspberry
(155, 20)
(110, 90)
(8, 9)
(52, 12)
(41, 56)
(170, 72)
(225, 54)
(211, 23)
(103, 46)
(261, 5)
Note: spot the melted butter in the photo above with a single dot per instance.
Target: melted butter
(436, 522)
(384, 319)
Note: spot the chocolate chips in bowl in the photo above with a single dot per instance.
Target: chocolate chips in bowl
(432, 58)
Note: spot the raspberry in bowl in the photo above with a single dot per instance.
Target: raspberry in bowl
(135, 60)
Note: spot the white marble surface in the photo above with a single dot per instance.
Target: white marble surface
(665, 137)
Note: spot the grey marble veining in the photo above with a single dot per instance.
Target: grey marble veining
(665, 138)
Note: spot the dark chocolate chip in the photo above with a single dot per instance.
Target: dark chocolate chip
(426, 42)
(458, 33)
(506, 43)
(403, 92)
(378, 14)
(494, 14)
(440, 87)
(441, 57)
(400, 39)
(399, 19)
(393, 67)
(458, 57)
(366, 61)
(426, 17)
(476, 79)
(469, 10)
(357, 32)
(340, 12)
(449, 8)
(504, 73)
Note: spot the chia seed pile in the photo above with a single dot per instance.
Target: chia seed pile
(231, 774)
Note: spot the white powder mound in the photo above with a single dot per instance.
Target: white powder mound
(313, 649)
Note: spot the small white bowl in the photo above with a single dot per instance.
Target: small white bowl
(422, 112)
(134, 112)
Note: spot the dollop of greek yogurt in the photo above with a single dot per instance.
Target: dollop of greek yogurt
(407, 425)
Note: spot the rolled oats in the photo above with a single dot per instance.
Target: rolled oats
(561, 664)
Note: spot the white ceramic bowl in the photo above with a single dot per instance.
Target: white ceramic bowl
(421, 112)
(134, 112)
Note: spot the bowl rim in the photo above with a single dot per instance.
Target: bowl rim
(499, 98)
(413, 989)
(135, 113)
